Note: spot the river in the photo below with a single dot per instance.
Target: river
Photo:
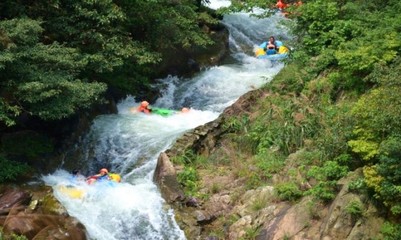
(129, 144)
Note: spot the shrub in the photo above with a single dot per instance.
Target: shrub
(385, 177)
(325, 191)
(337, 123)
(327, 177)
(11, 170)
(235, 124)
(331, 170)
(377, 111)
(391, 231)
(357, 186)
(355, 209)
(259, 203)
(188, 178)
(290, 79)
(270, 163)
(187, 158)
(28, 145)
(250, 233)
(253, 180)
(285, 125)
(288, 191)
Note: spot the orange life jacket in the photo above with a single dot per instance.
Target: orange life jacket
(143, 109)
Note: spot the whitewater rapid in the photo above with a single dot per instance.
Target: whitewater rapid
(129, 144)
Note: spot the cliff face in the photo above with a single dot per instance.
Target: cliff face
(233, 210)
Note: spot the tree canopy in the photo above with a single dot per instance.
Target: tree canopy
(59, 56)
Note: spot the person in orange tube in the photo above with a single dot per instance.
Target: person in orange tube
(143, 107)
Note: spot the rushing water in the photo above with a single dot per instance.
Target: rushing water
(129, 144)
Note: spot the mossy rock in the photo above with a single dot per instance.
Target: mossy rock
(50, 205)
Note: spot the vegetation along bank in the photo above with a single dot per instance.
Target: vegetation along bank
(327, 127)
(315, 154)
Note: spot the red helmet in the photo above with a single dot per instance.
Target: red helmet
(280, 4)
(144, 104)
(104, 170)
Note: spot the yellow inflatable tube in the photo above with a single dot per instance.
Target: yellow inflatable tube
(283, 49)
(72, 191)
(115, 177)
(260, 52)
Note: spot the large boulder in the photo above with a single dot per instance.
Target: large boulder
(166, 178)
(44, 226)
(36, 214)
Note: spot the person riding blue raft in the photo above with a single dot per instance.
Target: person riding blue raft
(76, 187)
(103, 175)
(272, 50)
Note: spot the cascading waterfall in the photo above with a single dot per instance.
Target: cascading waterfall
(129, 144)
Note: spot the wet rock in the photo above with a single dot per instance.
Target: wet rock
(166, 178)
(33, 205)
(12, 198)
(50, 205)
(41, 218)
(38, 226)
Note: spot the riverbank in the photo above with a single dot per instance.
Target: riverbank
(233, 193)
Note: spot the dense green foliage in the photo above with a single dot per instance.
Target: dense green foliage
(336, 106)
(56, 56)
(27, 145)
(60, 57)
(333, 109)
(350, 51)
(41, 79)
(11, 170)
(391, 231)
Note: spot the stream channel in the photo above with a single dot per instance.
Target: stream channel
(129, 144)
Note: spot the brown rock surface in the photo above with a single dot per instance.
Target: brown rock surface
(36, 214)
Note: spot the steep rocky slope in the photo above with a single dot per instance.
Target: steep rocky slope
(232, 210)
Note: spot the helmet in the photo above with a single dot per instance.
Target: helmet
(104, 170)
(280, 4)
(144, 104)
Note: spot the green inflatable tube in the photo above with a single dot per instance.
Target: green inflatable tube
(163, 111)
